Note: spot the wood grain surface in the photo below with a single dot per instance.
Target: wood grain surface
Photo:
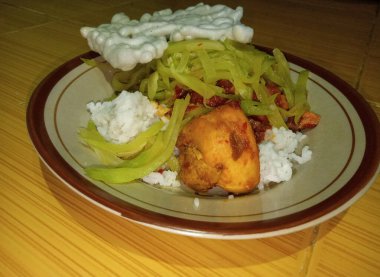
(48, 230)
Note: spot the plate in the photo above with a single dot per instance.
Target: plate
(345, 161)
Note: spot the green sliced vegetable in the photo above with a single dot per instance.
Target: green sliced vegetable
(89, 62)
(275, 117)
(300, 96)
(251, 107)
(124, 174)
(185, 56)
(147, 155)
(194, 45)
(93, 139)
(283, 71)
(152, 85)
(206, 90)
(125, 80)
(209, 71)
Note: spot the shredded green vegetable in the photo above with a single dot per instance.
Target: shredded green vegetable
(251, 107)
(198, 64)
(92, 138)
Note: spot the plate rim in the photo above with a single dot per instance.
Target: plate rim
(358, 184)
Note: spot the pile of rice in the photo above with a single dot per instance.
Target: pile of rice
(166, 178)
(123, 118)
(277, 155)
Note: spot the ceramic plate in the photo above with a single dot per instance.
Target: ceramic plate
(344, 164)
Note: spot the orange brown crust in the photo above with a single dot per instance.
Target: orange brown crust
(219, 148)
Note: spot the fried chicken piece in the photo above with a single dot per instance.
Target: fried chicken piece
(219, 148)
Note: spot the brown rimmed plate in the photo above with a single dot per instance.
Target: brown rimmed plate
(345, 161)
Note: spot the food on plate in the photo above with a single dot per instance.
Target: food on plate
(157, 152)
(219, 149)
(122, 118)
(195, 105)
(278, 155)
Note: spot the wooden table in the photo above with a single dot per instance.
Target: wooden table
(47, 230)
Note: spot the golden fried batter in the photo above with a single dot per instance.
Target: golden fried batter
(219, 148)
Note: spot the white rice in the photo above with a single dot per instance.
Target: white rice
(196, 203)
(121, 119)
(277, 155)
(167, 178)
